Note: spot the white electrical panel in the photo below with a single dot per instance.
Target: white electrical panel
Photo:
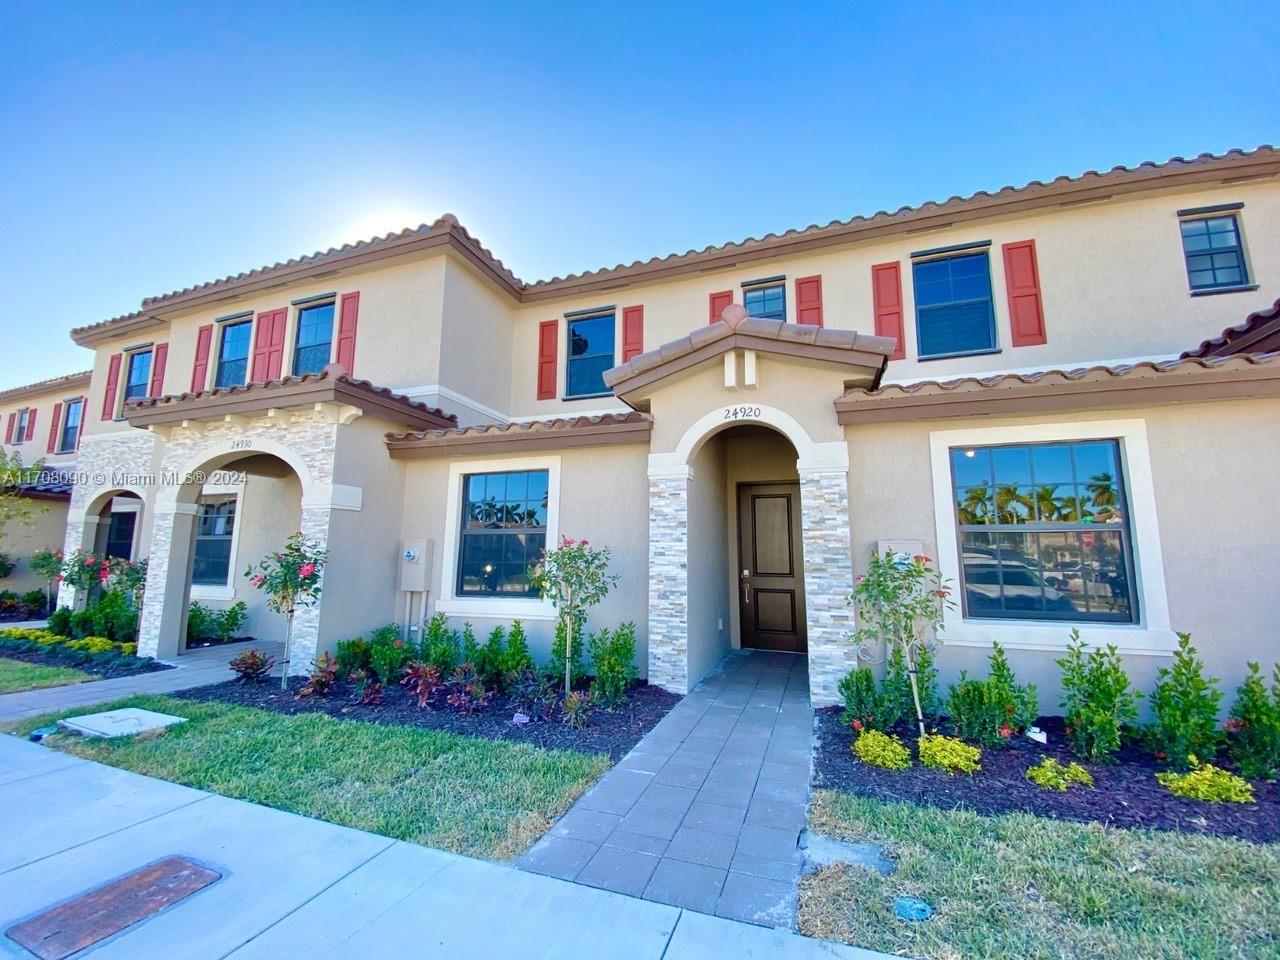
(415, 565)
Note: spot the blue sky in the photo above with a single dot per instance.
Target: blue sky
(147, 147)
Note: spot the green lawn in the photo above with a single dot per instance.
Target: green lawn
(1024, 887)
(18, 675)
(476, 797)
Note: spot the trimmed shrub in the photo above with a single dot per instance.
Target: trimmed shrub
(516, 659)
(60, 621)
(1207, 782)
(440, 645)
(353, 656)
(489, 659)
(210, 623)
(861, 701)
(613, 662)
(949, 754)
(992, 711)
(1253, 731)
(1097, 700)
(1051, 775)
(881, 750)
(387, 656)
(470, 646)
(1185, 709)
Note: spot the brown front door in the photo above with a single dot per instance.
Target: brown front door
(771, 567)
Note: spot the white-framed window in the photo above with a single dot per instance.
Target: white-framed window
(498, 532)
(21, 423)
(137, 379)
(216, 542)
(1090, 556)
(72, 417)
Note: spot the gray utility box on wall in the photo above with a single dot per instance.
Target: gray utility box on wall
(415, 565)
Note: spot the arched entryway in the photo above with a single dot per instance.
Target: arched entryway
(111, 524)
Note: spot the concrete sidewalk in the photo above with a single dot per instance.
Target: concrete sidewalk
(296, 887)
(195, 669)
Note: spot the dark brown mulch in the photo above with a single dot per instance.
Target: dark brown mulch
(1125, 793)
(104, 665)
(609, 731)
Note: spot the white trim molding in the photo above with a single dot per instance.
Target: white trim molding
(1152, 635)
(502, 608)
(432, 395)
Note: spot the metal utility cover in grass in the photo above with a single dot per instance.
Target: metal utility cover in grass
(104, 912)
(119, 723)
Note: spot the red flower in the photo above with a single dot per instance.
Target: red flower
(103, 574)
(89, 561)
(398, 643)
(1006, 731)
(856, 724)
(1159, 754)
(306, 570)
(922, 558)
(1234, 724)
(1009, 710)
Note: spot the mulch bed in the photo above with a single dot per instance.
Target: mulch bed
(1125, 794)
(101, 665)
(609, 731)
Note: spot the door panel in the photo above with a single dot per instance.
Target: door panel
(770, 578)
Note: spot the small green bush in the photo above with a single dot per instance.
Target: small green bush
(613, 662)
(861, 700)
(489, 659)
(949, 754)
(1253, 731)
(352, 656)
(1097, 700)
(470, 646)
(387, 655)
(1185, 709)
(1207, 782)
(440, 645)
(209, 623)
(992, 711)
(60, 622)
(896, 702)
(881, 750)
(1051, 775)
(387, 633)
(516, 659)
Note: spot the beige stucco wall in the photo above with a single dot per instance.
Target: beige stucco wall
(43, 403)
(603, 497)
(267, 512)
(1212, 466)
(709, 566)
(46, 532)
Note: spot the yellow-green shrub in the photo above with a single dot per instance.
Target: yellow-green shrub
(1207, 782)
(949, 754)
(1052, 775)
(881, 750)
(95, 645)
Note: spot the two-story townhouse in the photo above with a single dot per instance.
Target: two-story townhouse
(41, 423)
(995, 381)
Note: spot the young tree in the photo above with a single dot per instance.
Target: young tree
(899, 601)
(574, 577)
(291, 578)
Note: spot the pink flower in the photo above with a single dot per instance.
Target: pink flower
(860, 577)
(89, 561)
(306, 570)
(257, 580)
(103, 574)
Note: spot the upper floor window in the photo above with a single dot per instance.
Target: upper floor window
(591, 353)
(215, 526)
(1044, 532)
(21, 422)
(767, 299)
(314, 345)
(138, 375)
(1214, 253)
(954, 313)
(233, 354)
(72, 414)
(504, 528)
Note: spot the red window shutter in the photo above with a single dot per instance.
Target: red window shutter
(159, 357)
(886, 293)
(80, 428)
(718, 302)
(53, 429)
(1022, 280)
(113, 380)
(31, 424)
(200, 369)
(809, 300)
(8, 432)
(348, 318)
(548, 342)
(268, 346)
(632, 332)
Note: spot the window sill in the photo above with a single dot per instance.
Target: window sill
(969, 353)
(209, 591)
(1053, 636)
(1211, 291)
(588, 396)
(501, 608)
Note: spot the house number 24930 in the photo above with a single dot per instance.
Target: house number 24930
(241, 444)
(742, 413)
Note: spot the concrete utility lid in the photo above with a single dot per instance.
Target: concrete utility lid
(119, 723)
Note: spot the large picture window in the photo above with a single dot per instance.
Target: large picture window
(504, 528)
(215, 526)
(954, 314)
(1044, 532)
(591, 353)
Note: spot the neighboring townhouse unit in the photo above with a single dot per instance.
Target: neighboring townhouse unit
(993, 380)
(42, 424)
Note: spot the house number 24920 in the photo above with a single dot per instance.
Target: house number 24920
(742, 413)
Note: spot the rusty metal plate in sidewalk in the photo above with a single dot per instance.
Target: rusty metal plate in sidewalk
(101, 913)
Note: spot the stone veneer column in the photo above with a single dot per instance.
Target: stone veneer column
(306, 620)
(669, 582)
(164, 608)
(828, 580)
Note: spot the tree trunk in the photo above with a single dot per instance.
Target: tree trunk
(288, 643)
(568, 643)
(915, 687)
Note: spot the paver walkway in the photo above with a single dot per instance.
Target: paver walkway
(706, 811)
(194, 669)
(295, 887)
